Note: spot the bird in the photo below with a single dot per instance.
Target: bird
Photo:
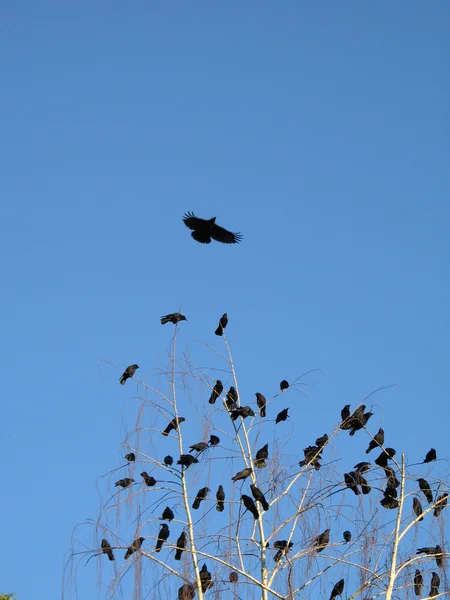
(173, 318)
(436, 552)
(259, 496)
(382, 460)
(181, 545)
(201, 495)
(232, 398)
(347, 536)
(391, 477)
(134, 547)
(199, 447)
(223, 322)
(312, 456)
(124, 482)
(173, 425)
(434, 585)
(106, 549)
(242, 411)
(261, 455)
(284, 385)
(321, 540)
(417, 508)
(337, 589)
(425, 487)
(378, 440)
(430, 456)
(283, 548)
(203, 230)
(261, 402)
(418, 583)
(282, 416)
(214, 440)
(242, 474)
(186, 592)
(440, 504)
(438, 556)
(205, 579)
(220, 497)
(150, 481)
(362, 467)
(354, 419)
(129, 372)
(250, 505)
(389, 499)
(360, 480)
(233, 577)
(168, 460)
(216, 391)
(321, 441)
(167, 514)
(350, 482)
(186, 460)
(360, 423)
(345, 413)
(130, 457)
(162, 537)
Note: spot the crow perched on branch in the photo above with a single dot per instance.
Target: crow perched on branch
(282, 416)
(124, 482)
(259, 496)
(162, 537)
(378, 440)
(167, 514)
(418, 583)
(168, 460)
(417, 508)
(432, 551)
(350, 482)
(440, 504)
(425, 487)
(233, 577)
(389, 499)
(284, 385)
(347, 536)
(430, 456)
(201, 495)
(362, 467)
(220, 497)
(360, 423)
(345, 413)
(173, 425)
(283, 549)
(321, 540)
(391, 477)
(360, 480)
(199, 447)
(205, 578)
(214, 440)
(136, 545)
(321, 441)
(150, 481)
(382, 460)
(186, 460)
(261, 455)
(261, 402)
(173, 318)
(242, 411)
(232, 398)
(434, 585)
(242, 474)
(337, 589)
(250, 505)
(129, 372)
(354, 419)
(203, 230)
(216, 391)
(223, 322)
(130, 457)
(181, 545)
(106, 549)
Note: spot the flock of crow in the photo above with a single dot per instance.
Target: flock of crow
(204, 231)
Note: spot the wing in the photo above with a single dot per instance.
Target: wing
(223, 235)
(201, 236)
(193, 222)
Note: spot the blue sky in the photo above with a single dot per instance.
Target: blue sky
(320, 131)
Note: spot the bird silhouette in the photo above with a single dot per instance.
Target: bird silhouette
(173, 318)
(129, 372)
(205, 230)
(223, 322)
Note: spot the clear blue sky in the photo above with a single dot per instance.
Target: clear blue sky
(320, 131)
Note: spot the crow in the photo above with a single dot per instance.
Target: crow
(162, 537)
(261, 402)
(312, 456)
(186, 592)
(242, 411)
(355, 418)
(283, 549)
(173, 425)
(378, 440)
(362, 467)
(430, 456)
(205, 579)
(173, 318)
(337, 589)
(418, 583)
(199, 447)
(261, 455)
(436, 552)
(434, 585)
(106, 549)
(345, 413)
(134, 547)
(282, 416)
(150, 481)
(438, 556)
(242, 474)
(168, 460)
(233, 577)
(186, 460)
(220, 497)
(216, 391)
(259, 497)
(232, 398)
(360, 423)
(321, 441)
(214, 440)
(203, 230)
(284, 385)
(201, 495)
(347, 536)
(350, 482)
(429, 550)
(391, 478)
(321, 540)
(167, 514)
(440, 504)
(417, 508)
(382, 460)
(360, 480)
(425, 487)
(389, 499)
(250, 505)
(223, 322)
(129, 372)
(124, 482)
(130, 457)
(181, 545)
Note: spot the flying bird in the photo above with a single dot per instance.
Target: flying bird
(205, 579)
(261, 402)
(106, 549)
(214, 440)
(130, 457)
(150, 481)
(173, 318)
(261, 455)
(430, 456)
(201, 495)
(321, 540)
(425, 487)
(220, 497)
(223, 322)
(418, 583)
(337, 589)
(162, 537)
(136, 545)
(167, 514)
(173, 425)
(347, 536)
(282, 416)
(250, 505)
(203, 230)
(181, 545)
(440, 504)
(124, 482)
(216, 391)
(242, 474)
(378, 440)
(129, 372)
(186, 460)
(259, 496)
(417, 508)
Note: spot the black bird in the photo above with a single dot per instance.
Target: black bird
(129, 372)
(430, 456)
(436, 552)
(203, 230)
(242, 411)
(173, 318)
(167, 514)
(199, 447)
(173, 425)
(232, 398)
(337, 589)
(220, 497)
(417, 508)
(283, 549)
(434, 585)
(282, 416)
(162, 537)
(223, 322)
(242, 474)
(150, 481)
(362, 467)
(106, 549)
(389, 499)
(418, 583)
(168, 460)
(181, 545)
(425, 487)
(214, 440)
(312, 456)
(250, 505)
(216, 391)
(391, 477)
(233, 577)
(259, 496)
(124, 482)
(201, 495)
(261, 456)
(382, 460)
(360, 423)
(356, 417)
(347, 536)
(321, 441)
(350, 482)
(360, 480)
(438, 556)
(378, 440)
(441, 503)
(345, 413)
(134, 547)
(205, 579)
(261, 402)
(186, 460)
(186, 592)
(321, 540)
(130, 457)
(284, 385)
